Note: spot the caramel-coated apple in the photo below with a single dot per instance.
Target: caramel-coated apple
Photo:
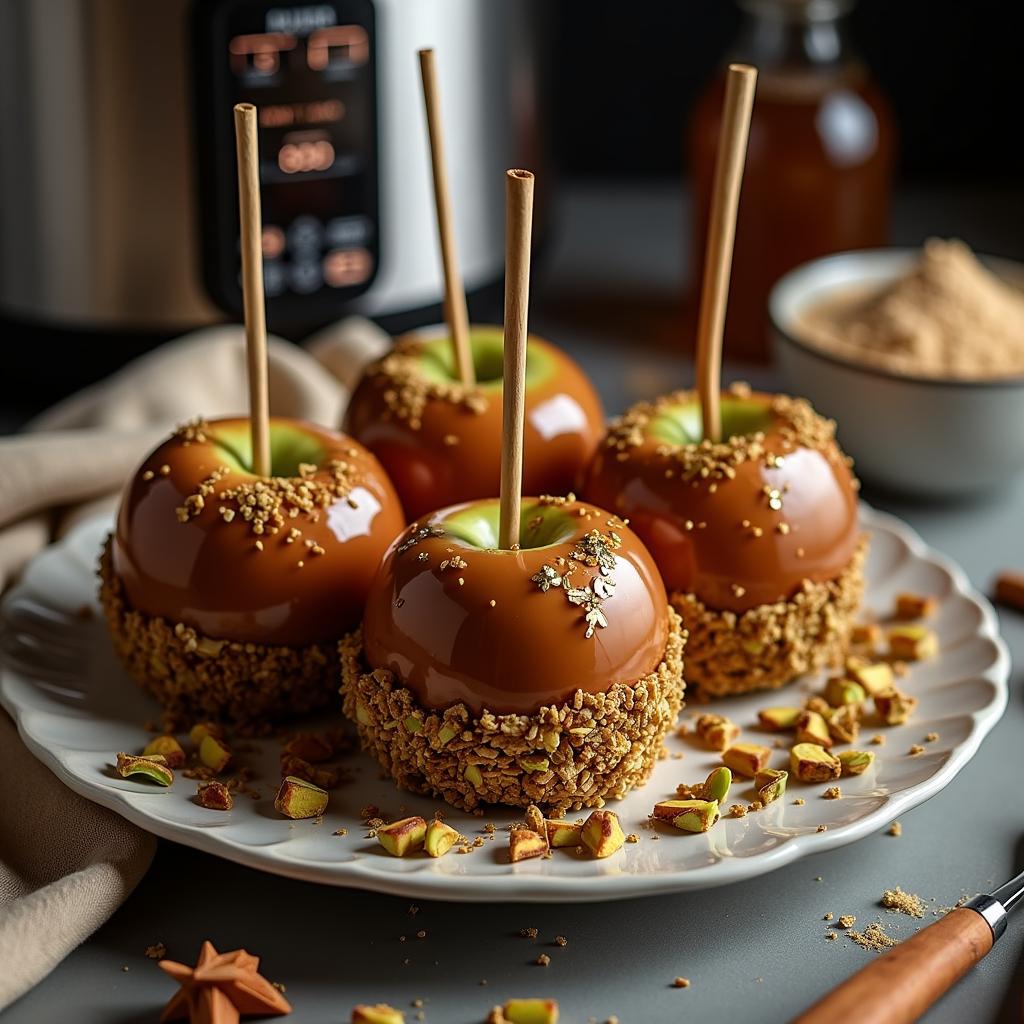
(226, 592)
(438, 439)
(757, 537)
(549, 673)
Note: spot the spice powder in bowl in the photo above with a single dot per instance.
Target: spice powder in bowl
(946, 317)
(918, 354)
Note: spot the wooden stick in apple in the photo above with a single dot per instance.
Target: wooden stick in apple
(518, 233)
(455, 313)
(725, 197)
(247, 146)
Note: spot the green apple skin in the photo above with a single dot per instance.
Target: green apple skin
(208, 572)
(458, 619)
(727, 540)
(451, 454)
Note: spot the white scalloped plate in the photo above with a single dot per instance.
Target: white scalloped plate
(75, 708)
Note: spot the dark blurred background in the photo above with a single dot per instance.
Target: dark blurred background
(623, 84)
(117, 219)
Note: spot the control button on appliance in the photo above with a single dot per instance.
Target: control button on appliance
(306, 276)
(273, 241)
(305, 234)
(274, 280)
(346, 267)
(347, 232)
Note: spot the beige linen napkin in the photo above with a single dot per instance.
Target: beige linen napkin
(67, 864)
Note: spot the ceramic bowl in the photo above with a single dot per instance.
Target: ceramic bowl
(927, 436)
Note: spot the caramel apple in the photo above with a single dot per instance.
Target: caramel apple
(226, 592)
(437, 438)
(756, 536)
(548, 673)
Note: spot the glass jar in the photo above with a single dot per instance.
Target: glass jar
(819, 160)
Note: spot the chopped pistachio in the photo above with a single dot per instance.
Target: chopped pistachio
(866, 635)
(912, 643)
(820, 706)
(214, 753)
(564, 833)
(915, 606)
(602, 834)
(201, 729)
(439, 838)
(379, 1014)
(839, 692)
(693, 815)
(215, 795)
(716, 731)
(403, 837)
(530, 1011)
(153, 767)
(746, 759)
(168, 747)
(856, 762)
(872, 677)
(810, 762)
(446, 734)
(811, 727)
(297, 798)
(716, 785)
(893, 706)
(778, 719)
(524, 843)
(844, 725)
(770, 784)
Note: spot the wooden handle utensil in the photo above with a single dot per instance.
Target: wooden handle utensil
(902, 983)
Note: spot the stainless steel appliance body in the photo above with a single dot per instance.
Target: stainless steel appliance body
(118, 202)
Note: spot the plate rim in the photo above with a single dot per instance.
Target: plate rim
(539, 888)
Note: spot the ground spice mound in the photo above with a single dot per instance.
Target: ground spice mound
(874, 937)
(946, 317)
(903, 902)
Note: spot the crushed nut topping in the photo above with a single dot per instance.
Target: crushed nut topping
(407, 390)
(796, 424)
(419, 535)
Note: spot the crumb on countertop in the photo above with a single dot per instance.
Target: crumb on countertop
(874, 937)
(902, 902)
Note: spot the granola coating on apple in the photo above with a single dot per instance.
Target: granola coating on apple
(563, 757)
(768, 646)
(195, 677)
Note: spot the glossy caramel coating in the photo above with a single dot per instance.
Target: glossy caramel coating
(447, 643)
(210, 573)
(721, 539)
(449, 452)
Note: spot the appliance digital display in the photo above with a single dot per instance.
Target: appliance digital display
(309, 71)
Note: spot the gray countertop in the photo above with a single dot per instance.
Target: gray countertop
(753, 952)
